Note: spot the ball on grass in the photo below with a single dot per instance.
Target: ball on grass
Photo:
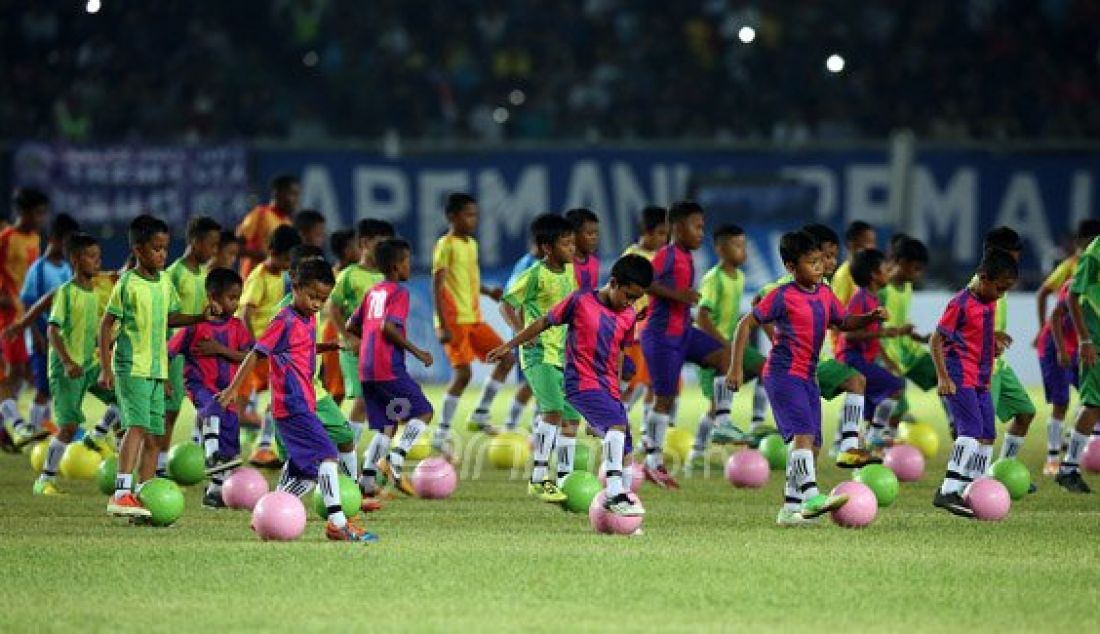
(105, 475)
(509, 450)
(38, 455)
(678, 444)
(603, 521)
(988, 498)
(244, 488)
(774, 449)
(79, 463)
(747, 469)
(1014, 475)
(861, 509)
(434, 479)
(637, 476)
(350, 498)
(186, 463)
(882, 482)
(906, 461)
(922, 436)
(583, 458)
(580, 488)
(1090, 460)
(279, 516)
(164, 499)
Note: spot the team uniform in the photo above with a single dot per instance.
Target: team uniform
(351, 286)
(263, 290)
(525, 262)
(720, 293)
(471, 337)
(843, 285)
(1086, 284)
(587, 271)
(191, 288)
(1010, 399)
(908, 355)
(637, 374)
(255, 230)
(863, 355)
(76, 312)
(42, 277)
(1057, 380)
(18, 250)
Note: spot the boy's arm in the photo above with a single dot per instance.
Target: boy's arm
(53, 334)
(705, 324)
(511, 316)
(946, 385)
(438, 279)
(532, 330)
(1041, 301)
(1086, 348)
(226, 397)
(857, 322)
(1058, 336)
(494, 292)
(34, 312)
(339, 321)
(106, 329)
(736, 375)
(392, 334)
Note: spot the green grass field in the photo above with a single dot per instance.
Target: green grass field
(490, 558)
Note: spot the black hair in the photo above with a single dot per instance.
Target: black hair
(1088, 229)
(632, 269)
(339, 241)
(1004, 238)
(457, 201)
(283, 239)
(77, 241)
(62, 226)
(388, 253)
(144, 227)
(548, 228)
(577, 217)
(822, 234)
(683, 209)
(307, 219)
(653, 217)
(911, 250)
(314, 271)
(27, 198)
(795, 244)
(728, 230)
(855, 229)
(221, 280)
(864, 265)
(227, 237)
(283, 181)
(199, 226)
(304, 253)
(374, 228)
(895, 240)
(997, 264)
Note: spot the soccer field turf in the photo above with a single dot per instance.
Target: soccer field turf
(491, 558)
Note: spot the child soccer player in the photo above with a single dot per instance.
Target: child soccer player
(669, 338)
(654, 235)
(145, 305)
(391, 395)
(73, 371)
(530, 297)
(456, 285)
(311, 226)
(523, 390)
(801, 311)
(1086, 230)
(264, 287)
(290, 343)
(211, 352)
(586, 262)
(1057, 346)
(256, 228)
(1084, 308)
(963, 348)
(857, 237)
(229, 249)
(600, 324)
(188, 276)
(345, 248)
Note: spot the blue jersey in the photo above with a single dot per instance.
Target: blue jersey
(521, 265)
(43, 276)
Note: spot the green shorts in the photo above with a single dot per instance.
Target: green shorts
(349, 368)
(332, 419)
(831, 375)
(141, 402)
(174, 401)
(68, 395)
(1088, 389)
(548, 385)
(922, 372)
(1009, 397)
(752, 362)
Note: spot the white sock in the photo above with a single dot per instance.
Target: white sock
(124, 483)
(545, 434)
(211, 427)
(613, 443)
(759, 404)
(379, 446)
(1072, 460)
(413, 429)
(1011, 446)
(656, 428)
(1054, 438)
(162, 463)
(103, 427)
(628, 473)
(850, 416)
(329, 484)
(356, 429)
(54, 451)
(805, 478)
(880, 421)
(450, 406)
(485, 403)
(9, 413)
(349, 463)
(702, 436)
(792, 498)
(514, 414)
(267, 431)
(567, 448)
(957, 465)
(985, 457)
(39, 414)
(292, 484)
(723, 398)
(637, 394)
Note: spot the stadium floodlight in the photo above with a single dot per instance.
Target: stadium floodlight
(835, 63)
(516, 97)
(500, 115)
(93, 6)
(746, 34)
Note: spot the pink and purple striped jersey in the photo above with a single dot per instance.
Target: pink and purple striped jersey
(587, 272)
(673, 268)
(1069, 334)
(595, 341)
(864, 301)
(380, 360)
(801, 320)
(967, 327)
(290, 344)
(214, 373)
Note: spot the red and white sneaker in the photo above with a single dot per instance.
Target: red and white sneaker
(127, 505)
(661, 477)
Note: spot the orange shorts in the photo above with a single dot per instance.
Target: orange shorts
(331, 376)
(469, 342)
(258, 381)
(641, 371)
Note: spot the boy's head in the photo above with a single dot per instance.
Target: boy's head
(311, 226)
(586, 230)
(1005, 239)
(910, 259)
(229, 248)
(685, 221)
(1087, 230)
(828, 242)
(83, 253)
(344, 245)
(394, 259)
(61, 227)
(654, 227)
(285, 193)
(203, 237)
(801, 255)
(630, 276)
(370, 231)
(461, 211)
(282, 240)
(997, 272)
(859, 236)
(554, 237)
(313, 283)
(730, 244)
(149, 241)
(303, 253)
(223, 287)
(31, 207)
(895, 241)
(869, 269)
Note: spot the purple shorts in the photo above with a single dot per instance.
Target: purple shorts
(881, 383)
(1056, 379)
(602, 412)
(972, 413)
(307, 443)
(394, 402)
(229, 428)
(796, 406)
(665, 357)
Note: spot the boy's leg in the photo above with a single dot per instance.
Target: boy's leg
(97, 439)
(519, 404)
(882, 390)
(40, 408)
(349, 368)
(725, 432)
(546, 383)
(836, 378)
(483, 339)
(173, 401)
(1015, 405)
(142, 412)
(966, 411)
(665, 361)
(1069, 472)
(70, 416)
(263, 456)
(396, 401)
(607, 417)
(566, 443)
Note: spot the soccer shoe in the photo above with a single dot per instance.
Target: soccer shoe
(401, 484)
(1032, 488)
(46, 487)
(953, 503)
(622, 504)
(546, 491)
(856, 458)
(821, 504)
(22, 439)
(729, 434)
(788, 517)
(7, 445)
(216, 465)
(1051, 466)
(661, 477)
(370, 504)
(213, 501)
(265, 458)
(348, 533)
(127, 506)
(482, 426)
(1072, 482)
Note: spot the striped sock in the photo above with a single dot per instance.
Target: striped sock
(567, 448)
(850, 416)
(805, 477)
(329, 484)
(958, 465)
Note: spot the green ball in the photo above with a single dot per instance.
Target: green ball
(186, 463)
(1014, 475)
(106, 474)
(351, 499)
(164, 499)
(582, 458)
(775, 450)
(882, 482)
(580, 488)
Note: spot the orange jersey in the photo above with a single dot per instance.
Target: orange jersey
(17, 251)
(256, 228)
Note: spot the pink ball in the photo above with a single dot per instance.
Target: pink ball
(279, 516)
(861, 509)
(1090, 460)
(434, 479)
(637, 477)
(988, 498)
(603, 521)
(747, 468)
(244, 488)
(906, 461)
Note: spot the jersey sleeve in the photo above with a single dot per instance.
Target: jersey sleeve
(710, 291)
(1059, 275)
(273, 340)
(241, 339)
(356, 319)
(173, 298)
(517, 290)
(770, 307)
(949, 321)
(563, 312)
(1086, 277)
(441, 256)
(116, 305)
(59, 308)
(341, 291)
(397, 307)
(180, 341)
(663, 267)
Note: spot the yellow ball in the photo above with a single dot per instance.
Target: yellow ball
(80, 463)
(509, 451)
(678, 444)
(38, 455)
(922, 436)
